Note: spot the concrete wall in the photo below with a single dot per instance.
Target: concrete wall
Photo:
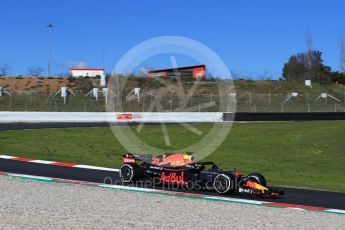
(37, 117)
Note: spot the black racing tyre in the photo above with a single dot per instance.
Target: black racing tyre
(223, 184)
(258, 178)
(130, 172)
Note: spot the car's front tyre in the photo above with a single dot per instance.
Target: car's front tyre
(223, 184)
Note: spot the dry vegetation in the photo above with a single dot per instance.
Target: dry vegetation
(45, 85)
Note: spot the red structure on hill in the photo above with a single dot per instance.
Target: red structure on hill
(196, 72)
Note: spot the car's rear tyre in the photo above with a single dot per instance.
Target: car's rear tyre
(130, 172)
(223, 184)
(258, 178)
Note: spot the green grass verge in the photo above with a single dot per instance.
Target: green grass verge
(305, 154)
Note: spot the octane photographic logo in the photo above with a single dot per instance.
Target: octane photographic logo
(172, 90)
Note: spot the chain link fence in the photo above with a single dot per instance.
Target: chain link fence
(240, 102)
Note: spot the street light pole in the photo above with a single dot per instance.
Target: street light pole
(49, 26)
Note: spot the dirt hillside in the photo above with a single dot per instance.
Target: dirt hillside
(45, 85)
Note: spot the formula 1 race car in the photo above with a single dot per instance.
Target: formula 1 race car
(180, 169)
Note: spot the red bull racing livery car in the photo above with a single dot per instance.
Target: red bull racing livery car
(180, 169)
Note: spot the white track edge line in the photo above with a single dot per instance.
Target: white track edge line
(29, 176)
(122, 187)
(42, 162)
(95, 167)
(234, 200)
(6, 157)
(335, 211)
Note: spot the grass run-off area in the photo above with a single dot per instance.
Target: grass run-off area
(304, 154)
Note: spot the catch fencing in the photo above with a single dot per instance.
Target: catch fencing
(239, 102)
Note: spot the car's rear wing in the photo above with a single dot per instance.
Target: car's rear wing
(132, 157)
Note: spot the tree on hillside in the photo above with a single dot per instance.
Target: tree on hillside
(35, 70)
(4, 69)
(305, 66)
(338, 77)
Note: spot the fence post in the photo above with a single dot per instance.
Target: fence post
(114, 105)
(26, 102)
(171, 102)
(191, 100)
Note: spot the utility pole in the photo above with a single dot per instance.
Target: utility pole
(309, 43)
(103, 58)
(50, 26)
(342, 53)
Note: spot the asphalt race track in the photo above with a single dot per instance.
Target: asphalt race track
(23, 126)
(324, 199)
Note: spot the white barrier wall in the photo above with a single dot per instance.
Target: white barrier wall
(37, 117)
